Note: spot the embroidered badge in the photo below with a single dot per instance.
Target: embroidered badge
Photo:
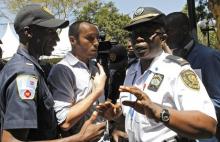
(190, 79)
(155, 82)
(26, 85)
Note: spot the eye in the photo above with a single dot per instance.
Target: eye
(92, 38)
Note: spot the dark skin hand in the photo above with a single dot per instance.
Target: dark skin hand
(192, 124)
(109, 111)
(143, 104)
(89, 132)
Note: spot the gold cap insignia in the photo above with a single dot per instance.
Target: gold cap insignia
(139, 11)
(46, 10)
(190, 79)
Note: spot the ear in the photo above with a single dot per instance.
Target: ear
(72, 40)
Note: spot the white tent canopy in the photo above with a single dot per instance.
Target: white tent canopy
(63, 46)
(10, 43)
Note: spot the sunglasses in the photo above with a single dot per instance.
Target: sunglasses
(147, 35)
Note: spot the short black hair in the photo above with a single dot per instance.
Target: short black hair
(74, 28)
(177, 20)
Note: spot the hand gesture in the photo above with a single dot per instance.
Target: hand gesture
(143, 104)
(100, 78)
(90, 131)
(108, 110)
(116, 134)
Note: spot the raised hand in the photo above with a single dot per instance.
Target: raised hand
(116, 134)
(100, 78)
(143, 104)
(108, 110)
(91, 132)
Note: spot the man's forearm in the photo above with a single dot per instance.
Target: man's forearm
(78, 110)
(193, 124)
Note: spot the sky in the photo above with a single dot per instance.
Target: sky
(166, 6)
(129, 6)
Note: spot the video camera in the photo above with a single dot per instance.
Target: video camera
(103, 51)
(103, 56)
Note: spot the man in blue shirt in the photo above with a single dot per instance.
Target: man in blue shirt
(205, 61)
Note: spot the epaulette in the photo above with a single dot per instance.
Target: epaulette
(177, 60)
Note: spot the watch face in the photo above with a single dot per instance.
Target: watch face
(165, 115)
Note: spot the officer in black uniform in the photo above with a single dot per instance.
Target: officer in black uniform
(26, 103)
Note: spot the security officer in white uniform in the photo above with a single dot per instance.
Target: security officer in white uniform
(163, 99)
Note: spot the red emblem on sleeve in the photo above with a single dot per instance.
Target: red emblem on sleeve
(27, 93)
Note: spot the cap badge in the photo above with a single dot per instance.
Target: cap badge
(139, 11)
(46, 10)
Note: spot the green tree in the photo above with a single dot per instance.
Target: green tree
(107, 17)
(61, 8)
(202, 12)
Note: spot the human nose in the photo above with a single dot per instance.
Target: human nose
(139, 39)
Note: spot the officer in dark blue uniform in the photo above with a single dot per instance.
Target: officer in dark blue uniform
(26, 103)
(205, 61)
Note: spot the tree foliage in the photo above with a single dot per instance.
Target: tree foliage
(214, 6)
(107, 17)
(203, 12)
(61, 8)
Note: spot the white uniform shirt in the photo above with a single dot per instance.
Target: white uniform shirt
(172, 92)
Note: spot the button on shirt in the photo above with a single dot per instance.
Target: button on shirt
(36, 114)
(71, 81)
(172, 92)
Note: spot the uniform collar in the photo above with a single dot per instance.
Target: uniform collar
(24, 52)
(154, 65)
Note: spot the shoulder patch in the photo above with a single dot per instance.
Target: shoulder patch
(155, 82)
(177, 60)
(26, 85)
(190, 79)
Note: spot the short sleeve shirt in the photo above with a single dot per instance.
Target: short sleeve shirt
(163, 83)
(70, 82)
(25, 106)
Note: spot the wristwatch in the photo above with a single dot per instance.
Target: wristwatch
(164, 115)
